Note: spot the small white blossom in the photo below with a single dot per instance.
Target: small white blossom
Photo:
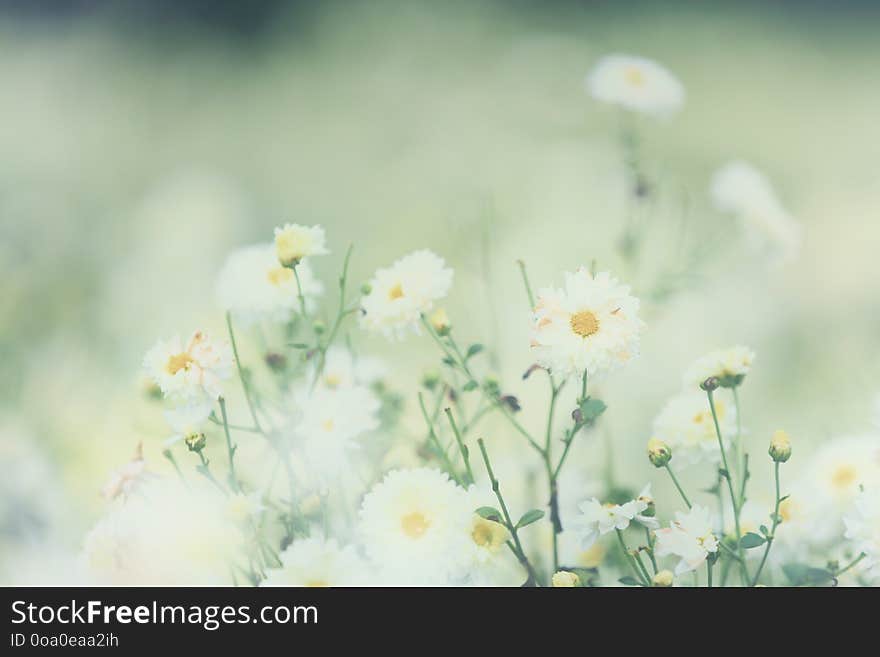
(294, 242)
(192, 371)
(690, 537)
(636, 84)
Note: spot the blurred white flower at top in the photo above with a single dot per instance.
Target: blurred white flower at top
(597, 519)
(637, 84)
(591, 325)
(729, 366)
(415, 526)
(841, 467)
(740, 189)
(401, 293)
(254, 286)
(863, 530)
(191, 371)
(294, 242)
(317, 562)
(689, 537)
(685, 424)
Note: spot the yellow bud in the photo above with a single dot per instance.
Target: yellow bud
(780, 447)
(565, 579)
(440, 321)
(659, 453)
(663, 579)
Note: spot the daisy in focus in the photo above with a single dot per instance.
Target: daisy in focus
(690, 537)
(400, 294)
(316, 562)
(254, 286)
(416, 525)
(592, 325)
(637, 84)
(739, 189)
(685, 424)
(730, 366)
(192, 371)
(294, 242)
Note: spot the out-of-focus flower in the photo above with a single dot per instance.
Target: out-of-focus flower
(192, 371)
(440, 321)
(415, 525)
(686, 425)
(863, 530)
(344, 370)
(591, 325)
(565, 579)
(318, 562)
(689, 537)
(730, 366)
(244, 507)
(488, 536)
(597, 519)
(838, 470)
(659, 453)
(740, 189)
(127, 478)
(254, 286)
(637, 84)
(401, 293)
(294, 242)
(188, 423)
(663, 579)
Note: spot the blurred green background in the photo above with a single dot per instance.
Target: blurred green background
(140, 142)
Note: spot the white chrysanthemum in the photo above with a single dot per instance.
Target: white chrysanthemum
(598, 519)
(740, 189)
(593, 324)
(254, 286)
(841, 467)
(401, 293)
(415, 525)
(168, 534)
(191, 371)
(327, 421)
(343, 370)
(863, 530)
(730, 366)
(317, 562)
(636, 84)
(686, 425)
(689, 537)
(294, 242)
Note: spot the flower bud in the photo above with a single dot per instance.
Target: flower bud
(440, 322)
(319, 327)
(780, 447)
(663, 579)
(276, 362)
(195, 441)
(565, 579)
(650, 510)
(366, 289)
(430, 379)
(659, 453)
(710, 384)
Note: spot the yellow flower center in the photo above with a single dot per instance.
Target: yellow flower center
(634, 76)
(395, 292)
(178, 362)
(332, 380)
(584, 323)
(328, 424)
(279, 275)
(414, 524)
(844, 476)
(787, 510)
(482, 534)
(706, 416)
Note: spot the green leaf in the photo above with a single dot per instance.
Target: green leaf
(470, 385)
(529, 517)
(448, 361)
(473, 350)
(298, 345)
(751, 540)
(489, 513)
(629, 581)
(801, 574)
(591, 409)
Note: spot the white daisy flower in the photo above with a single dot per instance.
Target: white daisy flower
(689, 537)
(686, 425)
(400, 294)
(592, 324)
(192, 371)
(294, 242)
(415, 525)
(254, 286)
(841, 467)
(597, 519)
(637, 84)
(863, 530)
(327, 421)
(730, 366)
(740, 189)
(317, 562)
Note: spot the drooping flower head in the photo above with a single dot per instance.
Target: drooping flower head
(294, 242)
(690, 537)
(636, 84)
(401, 293)
(591, 325)
(190, 371)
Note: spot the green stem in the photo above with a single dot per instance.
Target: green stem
(461, 447)
(230, 448)
(678, 486)
(630, 560)
(741, 464)
(850, 565)
(244, 383)
(340, 314)
(525, 277)
(773, 529)
(709, 573)
(441, 453)
(299, 292)
(205, 470)
(650, 537)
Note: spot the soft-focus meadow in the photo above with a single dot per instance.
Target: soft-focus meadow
(133, 161)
